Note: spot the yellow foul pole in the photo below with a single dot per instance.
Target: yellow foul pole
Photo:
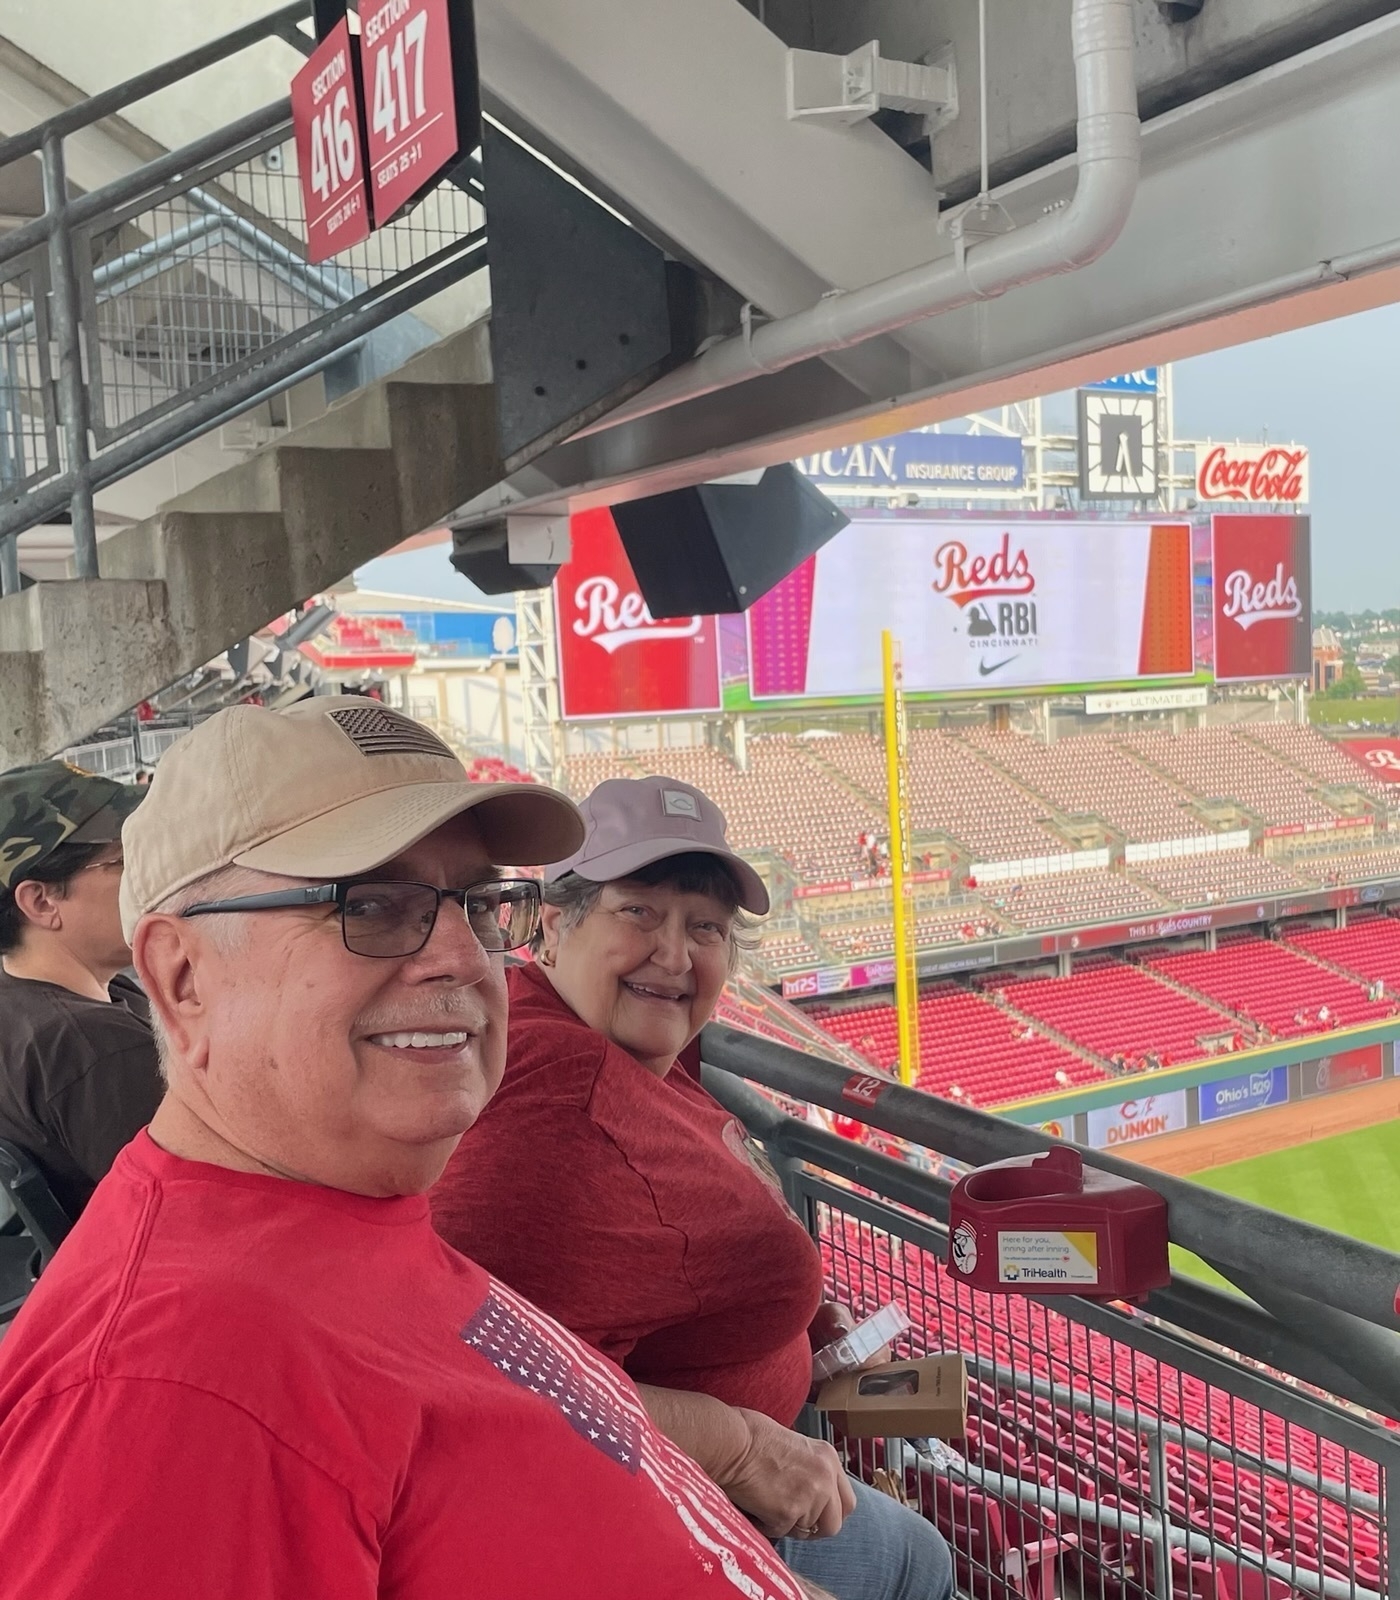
(901, 863)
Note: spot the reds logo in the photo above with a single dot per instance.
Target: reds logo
(965, 579)
(612, 619)
(1248, 602)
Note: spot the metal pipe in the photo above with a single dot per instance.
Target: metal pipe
(1327, 1267)
(1109, 140)
(120, 95)
(67, 332)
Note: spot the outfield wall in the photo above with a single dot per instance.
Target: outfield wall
(1215, 1093)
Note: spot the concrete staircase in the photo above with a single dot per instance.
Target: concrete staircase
(213, 566)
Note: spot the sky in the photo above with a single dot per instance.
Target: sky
(1333, 388)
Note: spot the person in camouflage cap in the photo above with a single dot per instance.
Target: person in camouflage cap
(78, 1070)
(52, 804)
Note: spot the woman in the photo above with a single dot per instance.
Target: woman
(604, 1184)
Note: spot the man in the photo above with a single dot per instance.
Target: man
(78, 1075)
(253, 1372)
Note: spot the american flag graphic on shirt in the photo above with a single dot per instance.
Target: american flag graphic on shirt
(603, 1408)
(514, 1348)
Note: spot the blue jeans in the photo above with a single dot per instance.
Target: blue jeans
(884, 1551)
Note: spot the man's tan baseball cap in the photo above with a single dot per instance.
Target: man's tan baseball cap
(331, 788)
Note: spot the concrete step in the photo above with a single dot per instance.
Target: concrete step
(220, 562)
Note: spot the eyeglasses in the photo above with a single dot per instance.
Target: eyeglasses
(389, 920)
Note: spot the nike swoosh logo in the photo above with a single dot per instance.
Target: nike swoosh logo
(985, 671)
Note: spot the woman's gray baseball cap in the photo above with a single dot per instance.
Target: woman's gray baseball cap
(632, 822)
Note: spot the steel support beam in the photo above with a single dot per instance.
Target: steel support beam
(676, 112)
(1267, 205)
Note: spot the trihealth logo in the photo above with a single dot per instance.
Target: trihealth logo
(612, 619)
(1248, 602)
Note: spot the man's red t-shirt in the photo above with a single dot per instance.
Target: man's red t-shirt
(237, 1387)
(634, 1210)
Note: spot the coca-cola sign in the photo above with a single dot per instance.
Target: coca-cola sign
(615, 658)
(1262, 474)
(1263, 597)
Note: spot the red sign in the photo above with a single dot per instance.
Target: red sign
(407, 51)
(1380, 757)
(615, 658)
(326, 124)
(1263, 597)
(864, 1090)
(1348, 1069)
(1269, 474)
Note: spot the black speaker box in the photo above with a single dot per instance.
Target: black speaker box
(718, 547)
(482, 555)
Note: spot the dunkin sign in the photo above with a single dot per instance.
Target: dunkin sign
(1263, 597)
(1262, 474)
(615, 658)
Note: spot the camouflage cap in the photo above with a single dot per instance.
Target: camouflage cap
(51, 803)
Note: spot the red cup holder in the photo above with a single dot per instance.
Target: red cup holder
(1047, 1224)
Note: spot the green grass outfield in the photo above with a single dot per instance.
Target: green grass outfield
(1350, 1183)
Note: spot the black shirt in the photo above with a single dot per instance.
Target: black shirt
(78, 1079)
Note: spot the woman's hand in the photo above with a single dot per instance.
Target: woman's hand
(832, 1322)
(788, 1484)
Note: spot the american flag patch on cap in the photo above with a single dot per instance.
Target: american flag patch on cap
(375, 731)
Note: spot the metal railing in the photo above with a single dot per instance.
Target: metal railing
(138, 316)
(1203, 1445)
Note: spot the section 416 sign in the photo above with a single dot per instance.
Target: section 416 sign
(408, 60)
(326, 126)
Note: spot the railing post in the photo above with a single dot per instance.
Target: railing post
(1391, 1500)
(66, 323)
(9, 565)
(1157, 1488)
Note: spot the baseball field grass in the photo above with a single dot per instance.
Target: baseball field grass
(1350, 1184)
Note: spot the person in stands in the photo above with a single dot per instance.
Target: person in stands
(78, 1073)
(253, 1371)
(605, 1184)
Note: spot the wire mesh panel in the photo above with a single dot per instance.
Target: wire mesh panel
(28, 427)
(205, 278)
(1111, 1457)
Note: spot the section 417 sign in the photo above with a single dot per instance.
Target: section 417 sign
(408, 61)
(326, 124)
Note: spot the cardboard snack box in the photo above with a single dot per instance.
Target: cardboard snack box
(924, 1399)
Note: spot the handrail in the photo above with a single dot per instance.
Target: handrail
(1219, 1317)
(1266, 1251)
(110, 101)
(121, 191)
